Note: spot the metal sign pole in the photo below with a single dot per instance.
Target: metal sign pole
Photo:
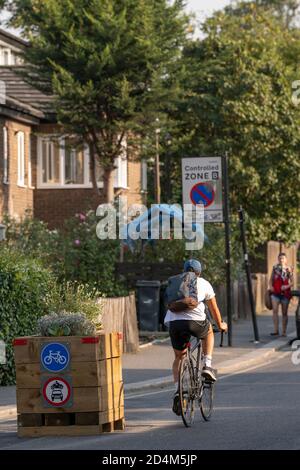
(227, 248)
(248, 274)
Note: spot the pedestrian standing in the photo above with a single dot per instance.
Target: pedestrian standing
(280, 284)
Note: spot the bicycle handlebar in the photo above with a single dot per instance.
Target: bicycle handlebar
(295, 293)
(222, 338)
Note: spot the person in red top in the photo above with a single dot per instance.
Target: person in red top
(281, 282)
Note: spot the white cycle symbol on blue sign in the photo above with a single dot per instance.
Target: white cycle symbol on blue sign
(55, 357)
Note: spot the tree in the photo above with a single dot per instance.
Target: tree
(109, 64)
(238, 100)
(286, 10)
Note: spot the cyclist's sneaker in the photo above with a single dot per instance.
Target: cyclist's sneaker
(176, 404)
(209, 374)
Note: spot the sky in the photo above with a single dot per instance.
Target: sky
(201, 8)
(205, 7)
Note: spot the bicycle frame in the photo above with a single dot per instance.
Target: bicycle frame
(201, 389)
(195, 361)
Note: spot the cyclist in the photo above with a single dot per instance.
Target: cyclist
(183, 325)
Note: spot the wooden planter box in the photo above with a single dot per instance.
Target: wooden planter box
(84, 397)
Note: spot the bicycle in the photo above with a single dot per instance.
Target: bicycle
(56, 357)
(193, 387)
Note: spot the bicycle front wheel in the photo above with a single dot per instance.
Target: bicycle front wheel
(206, 401)
(186, 392)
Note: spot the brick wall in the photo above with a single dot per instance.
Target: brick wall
(2, 186)
(15, 200)
(51, 205)
(55, 205)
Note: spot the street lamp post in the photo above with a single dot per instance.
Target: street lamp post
(168, 141)
(157, 175)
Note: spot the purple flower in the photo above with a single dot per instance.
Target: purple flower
(82, 217)
(77, 242)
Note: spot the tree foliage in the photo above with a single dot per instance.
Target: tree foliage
(108, 62)
(237, 99)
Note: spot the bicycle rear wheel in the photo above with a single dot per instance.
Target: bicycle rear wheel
(206, 400)
(186, 392)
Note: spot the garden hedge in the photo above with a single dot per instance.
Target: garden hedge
(24, 289)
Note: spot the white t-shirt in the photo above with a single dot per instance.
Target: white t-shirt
(205, 292)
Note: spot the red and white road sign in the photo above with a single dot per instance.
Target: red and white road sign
(202, 185)
(56, 391)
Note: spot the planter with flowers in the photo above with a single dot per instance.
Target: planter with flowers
(69, 378)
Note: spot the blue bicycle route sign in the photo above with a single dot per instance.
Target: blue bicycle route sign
(55, 357)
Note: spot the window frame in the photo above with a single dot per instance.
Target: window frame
(87, 184)
(6, 52)
(144, 176)
(5, 155)
(30, 185)
(21, 158)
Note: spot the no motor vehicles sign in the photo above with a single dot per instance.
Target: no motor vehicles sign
(57, 391)
(202, 184)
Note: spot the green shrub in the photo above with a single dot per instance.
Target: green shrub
(65, 324)
(76, 298)
(25, 290)
(86, 259)
(32, 236)
(73, 253)
(212, 254)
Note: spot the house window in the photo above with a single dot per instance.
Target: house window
(5, 156)
(144, 175)
(74, 165)
(50, 162)
(29, 163)
(5, 56)
(61, 166)
(121, 167)
(99, 172)
(21, 158)
(121, 172)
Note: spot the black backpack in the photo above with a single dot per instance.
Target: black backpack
(182, 293)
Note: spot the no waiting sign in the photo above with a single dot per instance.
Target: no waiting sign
(202, 184)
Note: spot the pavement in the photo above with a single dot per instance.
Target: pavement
(150, 368)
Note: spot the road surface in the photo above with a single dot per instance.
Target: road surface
(256, 409)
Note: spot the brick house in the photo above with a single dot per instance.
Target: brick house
(38, 171)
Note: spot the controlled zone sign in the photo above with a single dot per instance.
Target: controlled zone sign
(57, 391)
(202, 184)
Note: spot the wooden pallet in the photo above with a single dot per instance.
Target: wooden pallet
(96, 404)
(71, 430)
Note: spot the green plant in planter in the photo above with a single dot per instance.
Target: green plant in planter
(76, 298)
(66, 324)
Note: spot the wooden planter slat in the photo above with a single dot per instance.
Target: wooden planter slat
(75, 430)
(107, 347)
(61, 419)
(29, 400)
(111, 415)
(84, 374)
(95, 375)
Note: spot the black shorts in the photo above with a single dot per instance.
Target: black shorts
(181, 331)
